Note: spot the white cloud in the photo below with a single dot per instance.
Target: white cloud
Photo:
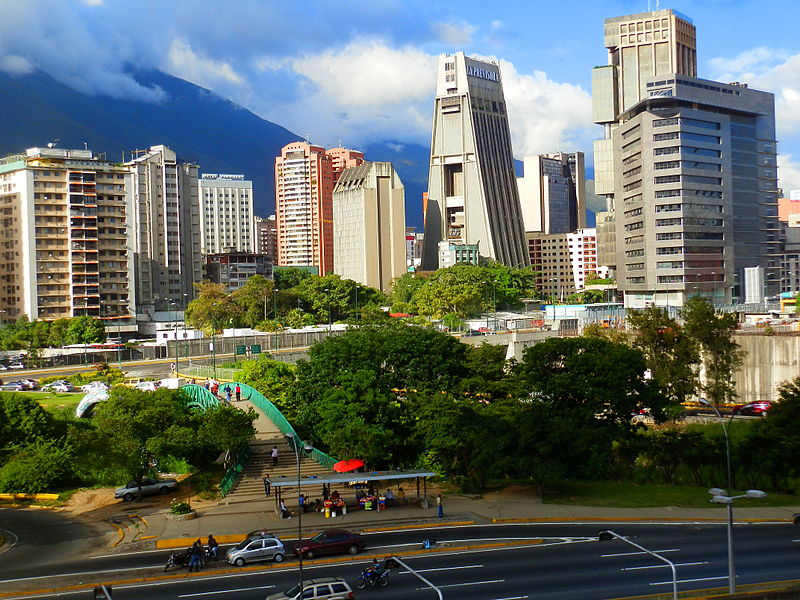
(788, 173)
(455, 34)
(14, 64)
(545, 115)
(749, 62)
(186, 63)
(396, 147)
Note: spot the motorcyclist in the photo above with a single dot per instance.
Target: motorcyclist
(213, 547)
(374, 570)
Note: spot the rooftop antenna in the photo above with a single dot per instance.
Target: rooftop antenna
(85, 146)
(53, 143)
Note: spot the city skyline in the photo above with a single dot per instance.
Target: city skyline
(362, 76)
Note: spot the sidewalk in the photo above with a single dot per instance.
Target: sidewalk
(238, 519)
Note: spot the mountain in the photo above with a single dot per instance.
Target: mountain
(221, 136)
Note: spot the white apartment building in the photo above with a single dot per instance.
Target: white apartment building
(226, 208)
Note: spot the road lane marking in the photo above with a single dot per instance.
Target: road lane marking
(233, 591)
(690, 580)
(637, 553)
(465, 584)
(512, 598)
(8, 545)
(688, 564)
(440, 569)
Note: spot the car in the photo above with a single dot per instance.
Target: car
(322, 588)
(753, 409)
(332, 541)
(59, 386)
(255, 548)
(149, 487)
(13, 386)
(30, 384)
(16, 365)
(146, 386)
(94, 386)
(3, 367)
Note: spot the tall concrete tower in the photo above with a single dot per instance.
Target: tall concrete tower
(472, 190)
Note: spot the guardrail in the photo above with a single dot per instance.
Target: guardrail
(233, 472)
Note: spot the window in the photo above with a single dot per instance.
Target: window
(668, 222)
(672, 164)
(669, 250)
(668, 207)
(667, 179)
(670, 279)
(669, 264)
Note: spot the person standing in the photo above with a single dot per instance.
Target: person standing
(238, 393)
(274, 456)
(439, 508)
(302, 502)
(196, 554)
(228, 395)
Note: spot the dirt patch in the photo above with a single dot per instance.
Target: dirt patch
(100, 503)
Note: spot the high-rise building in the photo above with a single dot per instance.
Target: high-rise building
(233, 269)
(168, 260)
(65, 225)
(267, 237)
(472, 191)
(226, 209)
(639, 46)
(552, 193)
(369, 225)
(343, 158)
(562, 261)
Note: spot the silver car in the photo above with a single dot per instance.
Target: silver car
(324, 588)
(255, 548)
(149, 487)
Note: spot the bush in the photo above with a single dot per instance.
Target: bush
(36, 469)
(179, 507)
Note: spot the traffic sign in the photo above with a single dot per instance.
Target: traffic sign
(255, 349)
(241, 349)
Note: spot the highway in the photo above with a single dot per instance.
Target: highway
(508, 561)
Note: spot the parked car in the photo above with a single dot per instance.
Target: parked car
(149, 487)
(323, 588)
(147, 386)
(59, 386)
(332, 541)
(30, 384)
(16, 365)
(95, 386)
(255, 548)
(753, 409)
(3, 367)
(13, 386)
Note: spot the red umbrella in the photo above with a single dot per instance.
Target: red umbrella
(344, 466)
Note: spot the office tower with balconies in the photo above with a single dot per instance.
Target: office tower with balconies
(267, 237)
(168, 258)
(696, 192)
(369, 225)
(472, 191)
(343, 158)
(552, 193)
(639, 46)
(66, 218)
(226, 209)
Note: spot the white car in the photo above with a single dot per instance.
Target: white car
(59, 386)
(3, 368)
(16, 366)
(95, 386)
(147, 386)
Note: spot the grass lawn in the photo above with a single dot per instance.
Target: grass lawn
(54, 401)
(631, 495)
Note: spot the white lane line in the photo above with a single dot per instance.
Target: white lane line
(512, 598)
(663, 566)
(9, 544)
(441, 569)
(232, 591)
(690, 580)
(638, 553)
(125, 570)
(468, 583)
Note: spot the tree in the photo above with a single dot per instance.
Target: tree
(297, 318)
(510, 284)
(253, 300)
(290, 277)
(85, 330)
(672, 357)
(274, 379)
(404, 288)
(23, 421)
(213, 308)
(461, 290)
(721, 355)
(37, 467)
(332, 298)
(223, 428)
(486, 373)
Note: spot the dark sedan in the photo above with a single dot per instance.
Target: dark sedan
(332, 541)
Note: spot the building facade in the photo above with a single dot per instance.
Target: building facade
(472, 191)
(342, 159)
(267, 237)
(562, 261)
(66, 252)
(369, 225)
(226, 208)
(552, 193)
(167, 228)
(233, 269)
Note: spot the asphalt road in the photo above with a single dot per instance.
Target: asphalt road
(569, 563)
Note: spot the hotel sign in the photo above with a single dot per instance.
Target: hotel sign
(474, 71)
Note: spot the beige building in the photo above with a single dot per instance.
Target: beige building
(267, 237)
(552, 192)
(226, 207)
(562, 261)
(168, 260)
(66, 222)
(369, 242)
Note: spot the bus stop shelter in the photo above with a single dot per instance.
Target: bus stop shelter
(310, 484)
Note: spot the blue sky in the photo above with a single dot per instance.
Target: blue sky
(354, 72)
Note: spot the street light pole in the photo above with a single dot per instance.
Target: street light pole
(177, 348)
(294, 443)
(606, 534)
(358, 315)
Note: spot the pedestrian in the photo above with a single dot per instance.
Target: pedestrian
(284, 511)
(439, 509)
(228, 395)
(274, 456)
(207, 384)
(301, 501)
(238, 393)
(213, 546)
(215, 387)
(195, 556)
(173, 368)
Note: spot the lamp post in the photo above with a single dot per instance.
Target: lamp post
(358, 315)
(330, 311)
(294, 443)
(494, 302)
(720, 496)
(177, 348)
(608, 534)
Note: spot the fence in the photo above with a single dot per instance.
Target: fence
(233, 472)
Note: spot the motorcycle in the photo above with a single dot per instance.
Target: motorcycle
(373, 578)
(178, 559)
